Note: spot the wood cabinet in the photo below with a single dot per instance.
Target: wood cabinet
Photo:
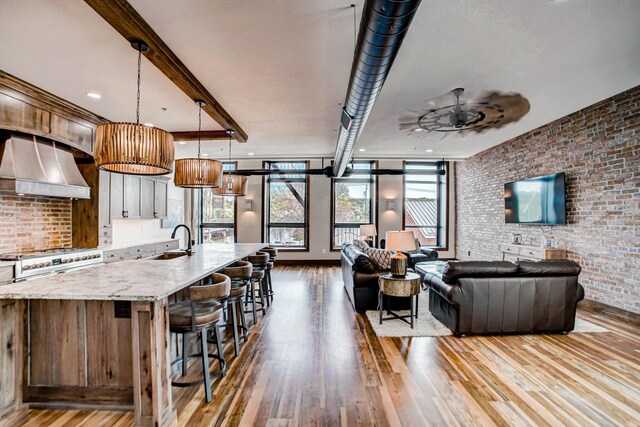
(535, 253)
(147, 197)
(161, 199)
(26, 108)
(131, 193)
(115, 196)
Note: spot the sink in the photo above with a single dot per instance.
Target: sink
(168, 255)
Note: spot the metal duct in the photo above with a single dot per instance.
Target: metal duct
(382, 29)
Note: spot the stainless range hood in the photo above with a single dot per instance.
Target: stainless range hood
(38, 167)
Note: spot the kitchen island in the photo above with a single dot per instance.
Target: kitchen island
(99, 337)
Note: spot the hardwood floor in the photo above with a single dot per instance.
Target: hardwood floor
(312, 361)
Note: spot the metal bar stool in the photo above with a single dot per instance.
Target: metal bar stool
(273, 253)
(201, 313)
(259, 261)
(240, 274)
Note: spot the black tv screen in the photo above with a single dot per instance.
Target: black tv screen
(539, 201)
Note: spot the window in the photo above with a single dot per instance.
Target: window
(218, 215)
(286, 204)
(425, 202)
(353, 204)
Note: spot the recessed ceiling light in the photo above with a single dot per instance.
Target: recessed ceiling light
(429, 151)
(251, 154)
(149, 125)
(181, 142)
(418, 130)
(204, 154)
(361, 150)
(94, 95)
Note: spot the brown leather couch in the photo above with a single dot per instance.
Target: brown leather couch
(500, 297)
(361, 281)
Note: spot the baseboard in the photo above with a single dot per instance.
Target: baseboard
(309, 262)
(610, 311)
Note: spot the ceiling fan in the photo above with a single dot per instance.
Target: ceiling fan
(489, 110)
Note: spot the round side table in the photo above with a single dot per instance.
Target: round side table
(407, 286)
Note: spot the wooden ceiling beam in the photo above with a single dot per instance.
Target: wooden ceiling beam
(206, 135)
(125, 20)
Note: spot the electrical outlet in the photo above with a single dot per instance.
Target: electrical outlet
(324, 251)
(122, 309)
(468, 253)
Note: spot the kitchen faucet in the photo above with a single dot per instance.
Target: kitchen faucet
(173, 236)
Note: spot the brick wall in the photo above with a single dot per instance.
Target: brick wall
(599, 150)
(28, 223)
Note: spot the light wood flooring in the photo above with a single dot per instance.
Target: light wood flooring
(313, 361)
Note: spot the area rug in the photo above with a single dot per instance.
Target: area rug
(427, 326)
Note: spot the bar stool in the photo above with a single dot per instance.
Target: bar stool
(201, 313)
(259, 261)
(240, 274)
(273, 253)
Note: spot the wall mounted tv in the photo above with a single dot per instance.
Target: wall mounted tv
(538, 201)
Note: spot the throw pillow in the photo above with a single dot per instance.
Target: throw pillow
(360, 244)
(380, 257)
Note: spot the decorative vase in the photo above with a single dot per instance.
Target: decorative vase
(399, 265)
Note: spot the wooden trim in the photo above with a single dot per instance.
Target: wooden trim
(128, 22)
(31, 94)
(309, 262)
(205, 135)
(12, 356)
(616, 313)
(72, 394)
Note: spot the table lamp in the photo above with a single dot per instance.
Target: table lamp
(400, 241)
(368, 231)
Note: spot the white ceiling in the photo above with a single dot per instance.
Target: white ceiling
(281, 67)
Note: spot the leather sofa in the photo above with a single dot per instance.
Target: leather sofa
(500, 297)
(360, 278)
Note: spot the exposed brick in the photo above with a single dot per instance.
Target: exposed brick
(31, 223)
(599, 150)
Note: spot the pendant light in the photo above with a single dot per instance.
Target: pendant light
(232, 185)
(132, 148)
(198, 172)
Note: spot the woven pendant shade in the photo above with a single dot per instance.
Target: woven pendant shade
(232, 185)
(134, 149)
(198, 173)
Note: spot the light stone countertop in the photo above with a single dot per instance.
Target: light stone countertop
(132, 280)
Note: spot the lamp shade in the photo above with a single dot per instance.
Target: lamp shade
(368, 230)
(232, 185)
(198, 173)
(400, 241)
(133, 149)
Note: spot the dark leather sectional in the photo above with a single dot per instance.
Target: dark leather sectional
(500, 297)
(361, 278)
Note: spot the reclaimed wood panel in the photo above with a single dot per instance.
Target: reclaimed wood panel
(11, 359)
(57, 332)
(108, 347)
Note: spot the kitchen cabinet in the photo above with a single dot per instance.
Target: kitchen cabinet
(147, 197)
(160, 202)
(116, 195)
(26, 108)
(131, 197)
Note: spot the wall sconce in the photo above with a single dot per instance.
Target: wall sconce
(248, 204)
(391, 204)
